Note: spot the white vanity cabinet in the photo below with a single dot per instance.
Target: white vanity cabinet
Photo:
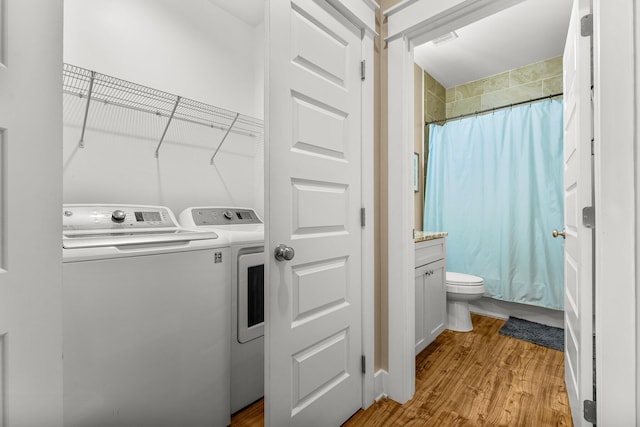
(431, 291)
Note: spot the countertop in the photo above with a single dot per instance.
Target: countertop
(423, 236)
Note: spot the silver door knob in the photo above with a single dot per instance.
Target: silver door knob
(557, 233)
(284, 253)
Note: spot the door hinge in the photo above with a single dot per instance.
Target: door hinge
(586, 25)
(589, 217)
(363, 69)
(363, 361)
(362, 217)
(589, 411)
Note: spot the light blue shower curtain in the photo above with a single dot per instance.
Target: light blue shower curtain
(495, 184)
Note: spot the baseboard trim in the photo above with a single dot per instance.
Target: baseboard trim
(380, 379)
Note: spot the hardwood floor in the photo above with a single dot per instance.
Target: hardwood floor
(251, 416)
(478, 378)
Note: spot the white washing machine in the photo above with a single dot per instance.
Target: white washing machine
(146, 320)
(246, 232)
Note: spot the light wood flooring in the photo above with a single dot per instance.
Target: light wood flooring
(478, 378)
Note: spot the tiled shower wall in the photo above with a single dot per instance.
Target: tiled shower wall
(434, 99)
(521, 84)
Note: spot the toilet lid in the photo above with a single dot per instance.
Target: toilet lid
(463, 279)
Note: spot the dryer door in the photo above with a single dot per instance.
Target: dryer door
(250, 296)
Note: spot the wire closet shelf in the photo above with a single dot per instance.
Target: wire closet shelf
(94, 86)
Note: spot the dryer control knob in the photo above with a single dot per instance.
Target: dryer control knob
(228, 214)
(118, 215)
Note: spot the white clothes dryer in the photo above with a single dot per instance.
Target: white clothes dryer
(244, 228)
(146, 319)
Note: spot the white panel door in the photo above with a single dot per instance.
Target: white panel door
(578, 303)
(30, 222)
(313, 326)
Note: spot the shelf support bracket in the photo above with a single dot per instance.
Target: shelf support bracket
(86, 109)
(224, 137)
(166, 128)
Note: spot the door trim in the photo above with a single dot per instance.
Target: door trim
(368, 237)
(617, 205)
(31, 108)
(412, 24)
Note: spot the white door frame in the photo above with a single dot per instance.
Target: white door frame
(616, 114)
(617, 95)
(367, 194)
(30, 213)
(361, 13)
(411, 22)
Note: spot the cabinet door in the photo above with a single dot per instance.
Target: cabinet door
(435, 300)
(420, 307)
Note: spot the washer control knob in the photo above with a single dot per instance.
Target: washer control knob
(228, 214)
(118, 215)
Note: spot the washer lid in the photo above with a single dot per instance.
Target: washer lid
(97, 240)
(463, 279)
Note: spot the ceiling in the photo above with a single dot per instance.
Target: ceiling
(249, 11)
(528, 32)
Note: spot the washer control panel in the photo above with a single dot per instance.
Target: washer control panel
(115, 217)
(224, 216)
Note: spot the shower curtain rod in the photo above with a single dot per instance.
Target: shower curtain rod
(488, 110)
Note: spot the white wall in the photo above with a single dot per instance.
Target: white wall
(189, 48)
(259, 37)
(259, 61)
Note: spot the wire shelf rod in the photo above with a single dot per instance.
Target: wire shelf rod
(223, 138)
(86, 110)
(166, 128)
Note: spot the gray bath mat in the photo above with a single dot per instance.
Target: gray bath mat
(536, 333)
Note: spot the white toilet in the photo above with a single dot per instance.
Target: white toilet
(461, 288)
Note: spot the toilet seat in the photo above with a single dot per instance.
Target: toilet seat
(459, 283)
(465, 289)
(461, 279)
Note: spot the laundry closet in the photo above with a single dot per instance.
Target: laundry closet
(162, 108)
(125, 147)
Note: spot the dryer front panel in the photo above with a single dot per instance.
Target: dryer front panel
(250, 296)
